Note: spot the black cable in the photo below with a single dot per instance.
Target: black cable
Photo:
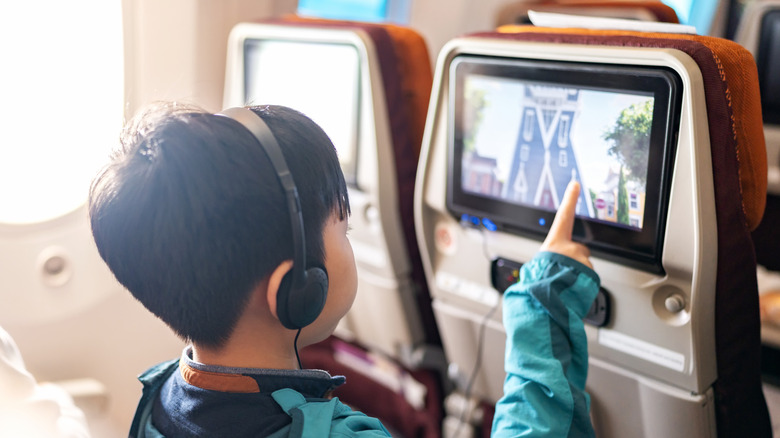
(295, 346)
(480, 345)
(477, 364)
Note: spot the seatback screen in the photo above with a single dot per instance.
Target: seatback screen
(321, 80)
(522, 130)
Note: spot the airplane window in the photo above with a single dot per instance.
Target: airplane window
(697, 13)
(62, 102)
(396, 11)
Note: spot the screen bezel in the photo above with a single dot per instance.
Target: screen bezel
(636, 248)
(249, 43)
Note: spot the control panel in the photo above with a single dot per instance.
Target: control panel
(505, 272)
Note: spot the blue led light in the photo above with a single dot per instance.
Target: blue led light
(542, 222)
(475, 221)
(489, 225)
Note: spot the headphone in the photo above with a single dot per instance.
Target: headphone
(300, 301)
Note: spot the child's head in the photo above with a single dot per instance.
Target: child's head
(190, 214)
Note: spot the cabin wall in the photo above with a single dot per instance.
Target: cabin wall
(442, 20)
(176, 49)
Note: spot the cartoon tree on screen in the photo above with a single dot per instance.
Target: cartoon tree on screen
(630, 139)
(630, 143)
(622, 210)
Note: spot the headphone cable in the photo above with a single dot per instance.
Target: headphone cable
(295, 346)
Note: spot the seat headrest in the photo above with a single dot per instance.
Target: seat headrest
(409, 63)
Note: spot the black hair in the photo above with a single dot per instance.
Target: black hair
(190, 215)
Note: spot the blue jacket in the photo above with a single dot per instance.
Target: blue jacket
(546, 365)
(546, 358)
(171, 402)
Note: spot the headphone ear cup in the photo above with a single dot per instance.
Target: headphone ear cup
(298, 307)
(283, 300)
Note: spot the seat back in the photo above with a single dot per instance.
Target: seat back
(393, 76)
(517, 13)
(678, 354)
(389, 334)
(759, 32)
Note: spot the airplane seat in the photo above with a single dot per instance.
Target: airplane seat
(643, 10)
(674, 346)
(406, 79)
(408, 401)
(389, 336)
(759, 32)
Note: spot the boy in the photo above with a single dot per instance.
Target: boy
(193, 216)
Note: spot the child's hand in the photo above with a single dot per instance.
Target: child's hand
(559, 238)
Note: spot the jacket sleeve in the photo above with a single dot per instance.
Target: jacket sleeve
(546, 359)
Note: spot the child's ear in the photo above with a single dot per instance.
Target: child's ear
(274, 282)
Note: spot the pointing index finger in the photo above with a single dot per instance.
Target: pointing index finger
(563, 223)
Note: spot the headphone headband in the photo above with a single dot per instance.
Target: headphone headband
(257, 126)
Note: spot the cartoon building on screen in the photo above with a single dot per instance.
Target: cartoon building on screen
(544, 161)
(606, 200)
(480, 176)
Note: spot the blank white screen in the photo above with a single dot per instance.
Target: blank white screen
(318, 79)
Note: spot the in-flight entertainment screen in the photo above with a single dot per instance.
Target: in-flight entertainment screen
(521, 130)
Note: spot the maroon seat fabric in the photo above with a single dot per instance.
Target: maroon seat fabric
(362, 392)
